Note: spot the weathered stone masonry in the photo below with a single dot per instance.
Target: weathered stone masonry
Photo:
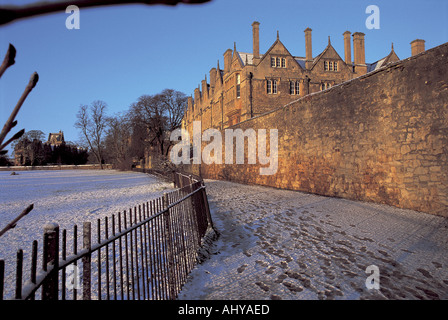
(382, 137)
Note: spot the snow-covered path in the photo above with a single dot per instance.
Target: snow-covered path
(278, 244)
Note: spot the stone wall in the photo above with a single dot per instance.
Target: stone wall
(382, 137)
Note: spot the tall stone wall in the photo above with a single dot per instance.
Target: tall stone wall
(382, 137)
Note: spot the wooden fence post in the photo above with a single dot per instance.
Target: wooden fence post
(86, 262)
(167, 219)
(51, 257)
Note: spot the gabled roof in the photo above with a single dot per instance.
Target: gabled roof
(272, 47)
(237, 56)
(56, 138)
(318, 57)
(391, 57)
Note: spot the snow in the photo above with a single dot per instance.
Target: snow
(65, 197)
(280, 244)
(273, 244)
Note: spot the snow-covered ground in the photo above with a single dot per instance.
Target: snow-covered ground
(65, 197)
(279, 244)
(274, 244)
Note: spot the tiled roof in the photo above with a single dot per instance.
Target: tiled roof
(249, 56)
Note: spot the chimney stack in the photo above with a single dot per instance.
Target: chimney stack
(227, 60)
(212, 78)
(417, 46)
(204, 87)
(197, 96)
(359, 53)
(256, 41)
(348, 47)
(190, 105)
(308, 48)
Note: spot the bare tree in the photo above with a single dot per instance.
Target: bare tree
(155, 116)
(146, 115)
(31, 136)
(93, 121)
(174, 103)
(118, 141)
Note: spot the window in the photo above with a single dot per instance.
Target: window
(271, 86)
(238, 86)
(330, 66)
(325, 85)
(274, 86)
(292, 87)
(277, 62)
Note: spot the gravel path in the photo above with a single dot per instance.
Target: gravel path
(279, 244)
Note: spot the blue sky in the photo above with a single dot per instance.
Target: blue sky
(122, 52)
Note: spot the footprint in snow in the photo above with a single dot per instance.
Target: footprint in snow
(242, 268)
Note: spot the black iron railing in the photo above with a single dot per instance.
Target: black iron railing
(143, 253)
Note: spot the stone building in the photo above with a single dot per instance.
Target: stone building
(56, 139)
(30, 152)
(254, 83)
(27, 152)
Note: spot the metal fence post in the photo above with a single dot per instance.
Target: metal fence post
(167, 219)
(2, 278)
(181, 181)
(51, 257)
(86, 262)
(207, 207)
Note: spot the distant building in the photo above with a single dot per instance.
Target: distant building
(28, 153)
(53, 151)
(55, 139)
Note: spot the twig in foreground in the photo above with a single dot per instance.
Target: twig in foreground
(13, 223)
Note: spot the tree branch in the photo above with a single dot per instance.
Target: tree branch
(11, 13)
(10, 123)
(13, 223)
(14, 137)
(9, 59)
